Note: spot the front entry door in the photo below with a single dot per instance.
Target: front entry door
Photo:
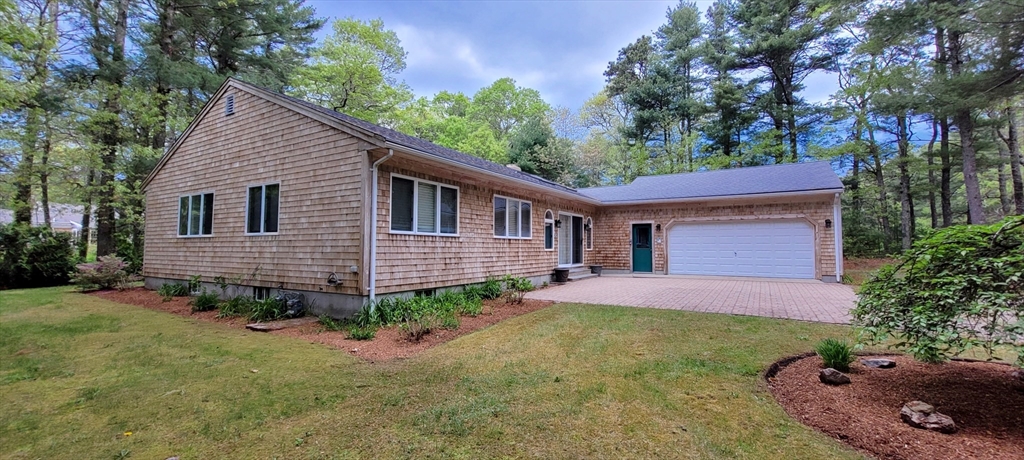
(570, 240)
(642, 254)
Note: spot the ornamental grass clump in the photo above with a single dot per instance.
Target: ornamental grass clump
(837, 354)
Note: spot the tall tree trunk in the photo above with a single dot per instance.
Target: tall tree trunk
(44, 177)
(1005, 195)
(946, 193)
(932, 208)
(791, 120)
(83, 248)
(946, 175)
(906, 206)
(883, 198)
(109, 132)
(1013, 144)
(855, 170)
(167, 29)
(964, 121)
(25, 171)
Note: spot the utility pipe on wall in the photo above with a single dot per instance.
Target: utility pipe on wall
(373, 227)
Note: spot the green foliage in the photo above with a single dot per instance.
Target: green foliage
(332, 324)
(492, 289)
(361, 333)
(206, 301)
(170, 290)
(269, 309)
(835, 353)
(958, 288)
(34, 257)
(236, 306)
(107, 272)
(195, 283)
(516, 288)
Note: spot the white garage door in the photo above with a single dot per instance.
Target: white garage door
(776, 249)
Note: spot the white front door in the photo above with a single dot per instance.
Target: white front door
(767, 248)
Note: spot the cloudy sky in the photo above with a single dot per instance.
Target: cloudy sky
(560, 48)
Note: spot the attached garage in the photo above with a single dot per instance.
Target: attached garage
(763, 248)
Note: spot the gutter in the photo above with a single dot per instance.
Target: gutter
(722, 197)
(373, 227)
(574, 196)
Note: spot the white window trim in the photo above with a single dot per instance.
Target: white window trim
(588, 235)
(263, 209)
(202, 216)
(415, 207)
(549, 221)
(506, 237)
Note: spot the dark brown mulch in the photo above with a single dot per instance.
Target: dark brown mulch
(984, 399)
(389, 343)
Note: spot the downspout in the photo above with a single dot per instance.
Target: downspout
(837, 227)
(373, 227)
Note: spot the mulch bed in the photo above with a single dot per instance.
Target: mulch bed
(984, 399)
(389, 343)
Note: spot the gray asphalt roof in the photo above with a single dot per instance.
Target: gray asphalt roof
(790, 177)
(421, 145)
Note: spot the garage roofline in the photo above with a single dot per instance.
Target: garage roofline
(801, 193)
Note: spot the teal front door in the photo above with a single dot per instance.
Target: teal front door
(642, 255)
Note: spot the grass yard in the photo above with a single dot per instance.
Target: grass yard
(82, 377)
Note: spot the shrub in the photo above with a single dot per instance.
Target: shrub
(236, 306)
(204, 302)
(332, 324)
(471, 306)
(836, 354)
(361, 333)
(35, 257)
(267, 310)
(107, 272)
(473, 292)
(415, 329)
(491, 289)
(516, 288)
(170, 290)
(958, 288)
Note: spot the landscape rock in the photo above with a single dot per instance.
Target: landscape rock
(922, 415)
(833, 377)
(878, 363)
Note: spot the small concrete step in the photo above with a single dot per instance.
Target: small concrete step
(581, 275)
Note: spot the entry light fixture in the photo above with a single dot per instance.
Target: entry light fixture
(828, 223)
(558, 223)
(657, 227)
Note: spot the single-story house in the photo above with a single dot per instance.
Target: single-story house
(281, 194)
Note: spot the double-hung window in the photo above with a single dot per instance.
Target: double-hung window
(549, 230)
(511, 217)
(262, 209)
(423, 207)
(195, 215)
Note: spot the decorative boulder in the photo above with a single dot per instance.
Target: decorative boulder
(833, 377)
(922, 415)
(878, 363)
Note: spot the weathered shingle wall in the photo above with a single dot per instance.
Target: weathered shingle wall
(320, 170)
(413, 262)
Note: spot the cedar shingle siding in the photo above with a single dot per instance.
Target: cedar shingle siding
(322, 162)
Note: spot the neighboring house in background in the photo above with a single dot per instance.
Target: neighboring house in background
(63, 217)
(292, 196)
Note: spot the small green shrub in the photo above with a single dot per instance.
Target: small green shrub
(267, 310)
(361, 333)
(415, 329)
(473, 292)
(836, 354)
(195, 284)
(332, 324)
(106, 273)
(471, 306)
(171, 290)
(516, 288)
(206, 301)
(236, 306)
(449, 320)
(491, 289)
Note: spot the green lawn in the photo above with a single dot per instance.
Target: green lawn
(571, 381)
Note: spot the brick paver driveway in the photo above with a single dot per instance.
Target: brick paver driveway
(808, 300)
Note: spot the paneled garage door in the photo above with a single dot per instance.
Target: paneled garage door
(776, 249)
